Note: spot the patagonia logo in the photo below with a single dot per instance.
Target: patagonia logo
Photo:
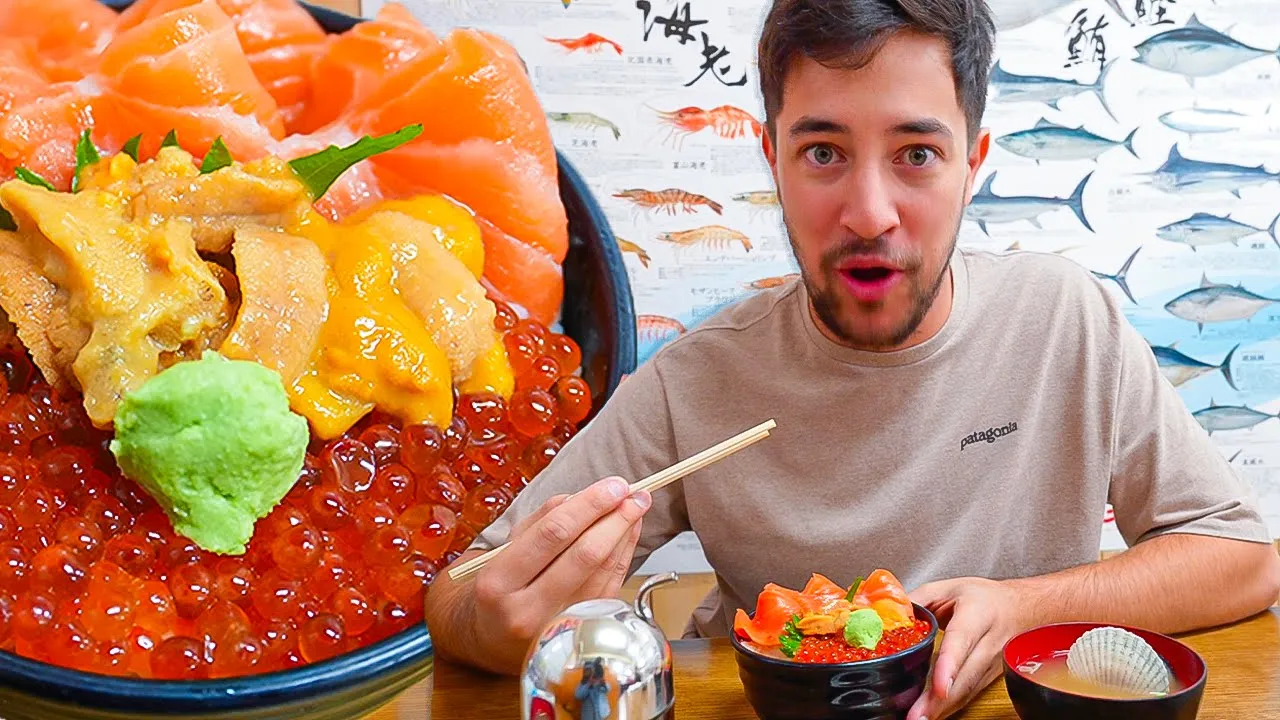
(989, 435)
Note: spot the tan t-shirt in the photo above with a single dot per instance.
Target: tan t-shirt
(988, 450)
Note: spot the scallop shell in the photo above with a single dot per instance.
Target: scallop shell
(1116, 658)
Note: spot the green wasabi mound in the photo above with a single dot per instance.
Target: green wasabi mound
(215, 443)
(863, 629)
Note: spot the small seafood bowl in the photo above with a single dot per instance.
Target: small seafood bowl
(1041, 686)
(883, 687)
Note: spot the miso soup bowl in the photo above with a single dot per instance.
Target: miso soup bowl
(880, 688)
(1035, 701)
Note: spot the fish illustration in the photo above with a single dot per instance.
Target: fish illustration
(987, 207)
(1120, 278)
(1195, 51)
(1217, 302)
(1179, 174)
(1180, 369)
(585, 120)
(1048, 90)
(1051, 141)
(1011, 14)
(1207, 229)
(669, 200)
(1196, 120)
(772, 282)
(757, 197)
(627, 246)
(714, 236)
(658, 327)
(591, 42)
(1217, 418)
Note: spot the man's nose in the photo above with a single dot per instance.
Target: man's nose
(869, 209)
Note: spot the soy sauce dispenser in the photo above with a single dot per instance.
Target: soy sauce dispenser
(600, 660)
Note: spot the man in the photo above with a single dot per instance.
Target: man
(957, 417)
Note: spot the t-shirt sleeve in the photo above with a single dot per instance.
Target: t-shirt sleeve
(630, 437)
(1167, 476)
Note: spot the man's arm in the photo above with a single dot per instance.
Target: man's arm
(565, 549)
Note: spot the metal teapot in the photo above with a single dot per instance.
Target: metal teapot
(600, 660)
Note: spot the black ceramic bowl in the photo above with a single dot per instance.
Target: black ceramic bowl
(597, 313)
(878, 689)
(1033, 700)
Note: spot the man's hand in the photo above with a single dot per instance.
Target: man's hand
(573, 548)
(978, 616)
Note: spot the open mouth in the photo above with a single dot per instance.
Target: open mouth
(870, 283)
(870, 274)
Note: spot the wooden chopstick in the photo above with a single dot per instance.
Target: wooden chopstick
(654, 482)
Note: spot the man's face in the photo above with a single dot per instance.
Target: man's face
(873, 171)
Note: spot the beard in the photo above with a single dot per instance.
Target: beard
(828, 298)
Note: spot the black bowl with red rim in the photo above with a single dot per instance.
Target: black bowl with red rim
(882, 688)
(1034, 700)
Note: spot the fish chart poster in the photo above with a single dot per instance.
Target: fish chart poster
(1140, 138)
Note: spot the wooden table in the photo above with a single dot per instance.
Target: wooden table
(1243, 660)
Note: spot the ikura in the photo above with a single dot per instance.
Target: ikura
(93, 577)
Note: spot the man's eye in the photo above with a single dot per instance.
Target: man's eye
(822, 154)
(919, 156)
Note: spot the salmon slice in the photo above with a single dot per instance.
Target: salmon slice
(354, 64)
(284, 300)
(882, 592)
(485, 140)
(41, 134)
(775, 606)
(521, 274)
(185, 70)
(40, 311)
(65, 34)
(279, 38)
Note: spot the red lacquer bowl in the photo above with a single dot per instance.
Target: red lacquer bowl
(1035, 701)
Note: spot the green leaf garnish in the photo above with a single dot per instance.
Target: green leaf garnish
(791, 637)
(170, 140)
(86, 155)
(31, 178)
(131, 146)
(319, 170)
(217, 158)
(853, 589)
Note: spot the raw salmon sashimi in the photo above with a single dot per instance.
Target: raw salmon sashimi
(40, 134)
(185, 71)
(775, 606)
(66, 35)
(882, 592)
(354, 63)
(280, 39)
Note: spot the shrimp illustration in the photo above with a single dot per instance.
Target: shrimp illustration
(763, 198)
(585, 120)
(628, 246)
(655, 328)
(726, 121)
(590, 42)
(711, 236)
(670, 200)
(772, 282)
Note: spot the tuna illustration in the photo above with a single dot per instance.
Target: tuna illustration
(1197, 120)
(1181, 175)
(1217, 302)
(1121, 276)
(1207, 229)
(1217, 418)
(1195, 51)
(1180, 369)
(1048, 90)
(1050, 141)
(987, 207)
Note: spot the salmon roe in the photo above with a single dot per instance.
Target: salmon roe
(832, 649)
(93, 577)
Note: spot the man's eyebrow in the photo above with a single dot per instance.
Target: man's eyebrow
(811, 125)
(922, 126)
